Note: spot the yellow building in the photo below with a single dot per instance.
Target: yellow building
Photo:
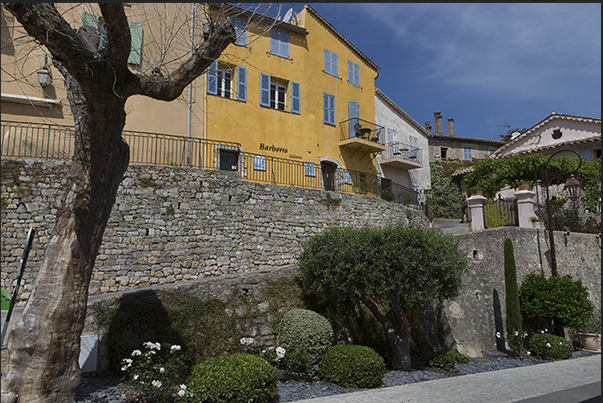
(291, 102)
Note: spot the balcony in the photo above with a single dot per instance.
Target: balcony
(401, 156)
(361, 135)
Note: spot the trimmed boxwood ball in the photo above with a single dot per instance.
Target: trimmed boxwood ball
(352, 366)
(305, 335)
(550, 347)
(235, 378)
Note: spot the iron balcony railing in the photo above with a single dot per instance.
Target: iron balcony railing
(403, 151)
(48, 141)
(364, 129)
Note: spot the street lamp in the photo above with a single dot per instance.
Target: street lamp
(571, 185)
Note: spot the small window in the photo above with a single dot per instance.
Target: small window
(328, 106)
(273, 93)
(279, 43)
(229, 160)
(224, 78)
(220, 77)
(467, 153)
(259, 162)
(240, 26)
(310, 169)
(331, 63)
(354, 73)
(346, 177)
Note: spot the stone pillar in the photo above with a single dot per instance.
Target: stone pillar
(525, 208)
(476, 207)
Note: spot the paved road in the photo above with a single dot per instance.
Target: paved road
(568, 381)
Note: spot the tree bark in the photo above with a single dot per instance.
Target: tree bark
(44, 345)
(397, 330)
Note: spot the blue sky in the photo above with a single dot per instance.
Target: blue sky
(485, 65)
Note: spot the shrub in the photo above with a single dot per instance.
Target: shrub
(514, 328)
(550, 347)
(236, 378)
(352, 366)
(448, 359)
(154, 373)
(562, 301)
(306, 336)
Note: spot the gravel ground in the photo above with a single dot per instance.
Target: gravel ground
(96, 389)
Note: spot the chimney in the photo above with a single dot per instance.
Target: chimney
(439, 130)
(451, 127)
(428, 127)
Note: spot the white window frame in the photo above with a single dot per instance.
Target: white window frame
(224, 77)
(278, 90)
(259, 162)
(467, 154)
(346, 177)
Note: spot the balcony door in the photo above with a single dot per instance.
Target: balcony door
(328, 174)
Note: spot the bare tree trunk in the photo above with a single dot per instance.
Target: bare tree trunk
(45, 342)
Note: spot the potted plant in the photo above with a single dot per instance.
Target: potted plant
(590, 333)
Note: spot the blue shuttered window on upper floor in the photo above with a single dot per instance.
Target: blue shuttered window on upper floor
(279, 43)
(328, 106)
(240, 26)
(212, 78)
(354, 114)
(242, 83)
(353, 73)
(264, 90)
(331, 66)
(295, 97)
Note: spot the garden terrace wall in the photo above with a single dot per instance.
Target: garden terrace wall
(479, 311)
(176, 224)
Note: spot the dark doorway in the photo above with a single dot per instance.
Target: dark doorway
(229, 160)
(328, 174)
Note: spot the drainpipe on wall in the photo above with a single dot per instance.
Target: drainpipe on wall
(190, 92)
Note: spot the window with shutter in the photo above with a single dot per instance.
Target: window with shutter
(279, 43)
(354, 114)
(295, 97)
(240, 26)
(212, 78)
(331, 66)
(242, 83)
(328, 102)
(353, 73)
(310, 169)
(264, 89)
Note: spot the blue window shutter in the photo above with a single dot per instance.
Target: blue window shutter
(350, 72)
(90, 20)
(334, 68)
(327, 61)
(325, 108)
(295, 97)
(136, 42)
(274, 41)
(353, 109)
(239, 25)
(328, 108)
(284, 51)
(212, 78)
(353, 73)
(332, 109)
(242, 84)
(264, 89)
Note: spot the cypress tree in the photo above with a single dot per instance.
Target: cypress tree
(514, 328)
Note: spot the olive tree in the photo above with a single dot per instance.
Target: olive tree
(44, 344)
(390, 270)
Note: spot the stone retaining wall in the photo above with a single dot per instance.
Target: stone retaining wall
(176, 224)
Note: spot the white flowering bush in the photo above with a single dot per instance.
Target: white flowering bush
(156, 373)
(270, 354)
(515, 342)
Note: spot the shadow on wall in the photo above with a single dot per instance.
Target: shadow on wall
(499, 324)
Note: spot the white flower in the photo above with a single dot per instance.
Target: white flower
(548, 344)
(525, 334)
(542, 331)
(148, 344)
(516, 333)
(175, 347)
(156, 383)
(280, 352)
(136, 352)
(135, 377)
(157, 346)
(183, 387)
(127, 361)
(161, 370)
(247, 341)
(561, 343)
(125, 367)
(181, 393)
(498, 335)
(150, 352)
(529, 353)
